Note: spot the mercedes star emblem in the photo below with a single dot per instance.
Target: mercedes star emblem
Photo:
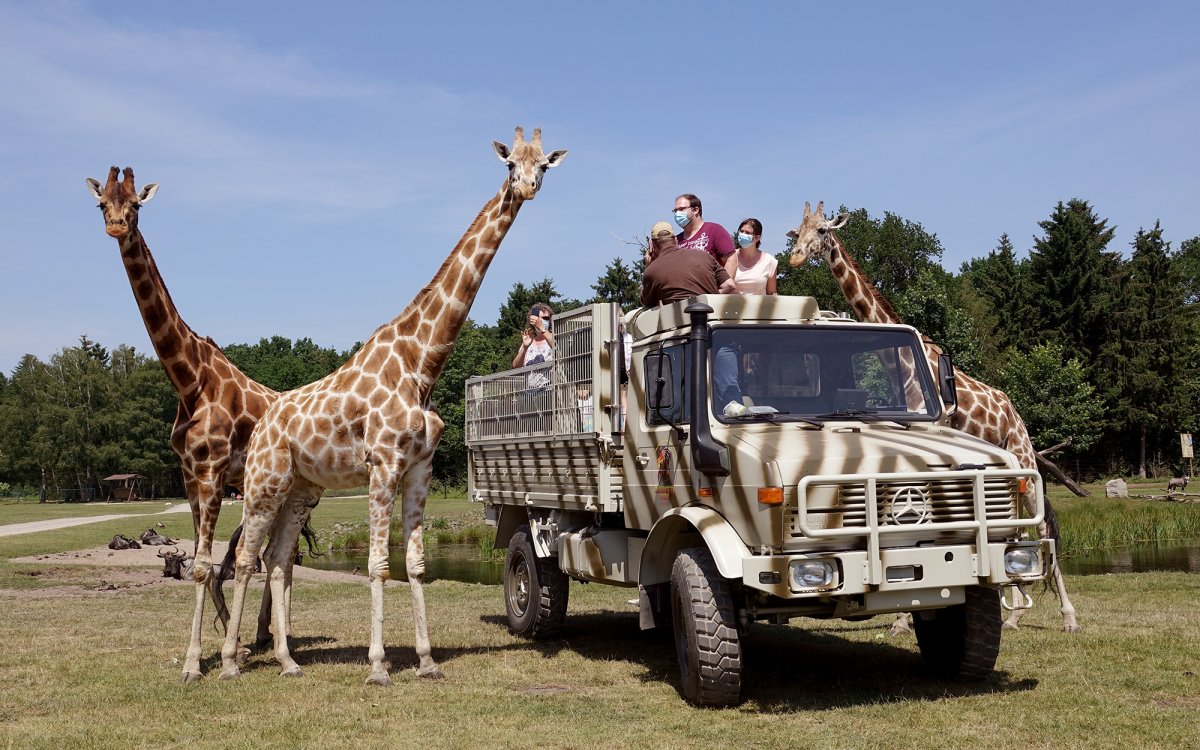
(909, 506)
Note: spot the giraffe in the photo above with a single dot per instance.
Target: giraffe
(983, 411)
(218, 405)
(371, 421)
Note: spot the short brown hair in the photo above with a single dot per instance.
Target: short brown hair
(693, 201)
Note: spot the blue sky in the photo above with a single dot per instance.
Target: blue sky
(317, 162)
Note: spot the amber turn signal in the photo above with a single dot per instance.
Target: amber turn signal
(770, 495)
(1022, 485)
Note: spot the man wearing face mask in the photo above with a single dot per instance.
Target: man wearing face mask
(699, 234)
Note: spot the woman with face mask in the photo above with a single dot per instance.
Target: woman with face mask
(752, 270)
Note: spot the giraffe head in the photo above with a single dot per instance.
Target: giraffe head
(812, 236)
(119, 201)
(526, 163)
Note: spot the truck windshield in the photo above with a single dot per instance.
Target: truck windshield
(821, 373)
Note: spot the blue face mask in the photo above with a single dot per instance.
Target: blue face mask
(681, 218)
(744, 239)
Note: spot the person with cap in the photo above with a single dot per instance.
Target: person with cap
(699, 234)
(674, 274)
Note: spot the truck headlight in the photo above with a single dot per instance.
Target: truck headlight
(810, 574)
(1022, 561)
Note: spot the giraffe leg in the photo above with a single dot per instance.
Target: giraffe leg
(254, 529)
(205, 508)
(276, 561)
(416, 488)
(383, 493)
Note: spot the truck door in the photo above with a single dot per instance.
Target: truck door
(661, 478)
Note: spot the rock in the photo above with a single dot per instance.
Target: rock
(1116, 488)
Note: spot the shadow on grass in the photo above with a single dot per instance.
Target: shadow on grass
(785, 668)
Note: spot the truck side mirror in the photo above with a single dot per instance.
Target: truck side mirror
(660, 383)
(945, 376)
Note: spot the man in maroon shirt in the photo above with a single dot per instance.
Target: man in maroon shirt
(699, 234)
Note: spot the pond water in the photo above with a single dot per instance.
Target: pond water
(461, 562)
(446, 562)
(1180, 557)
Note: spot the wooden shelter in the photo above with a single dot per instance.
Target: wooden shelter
(124, 487)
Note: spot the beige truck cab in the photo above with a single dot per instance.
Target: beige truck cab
(771, 461)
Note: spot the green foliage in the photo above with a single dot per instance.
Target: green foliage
(1052, 394)
(280, 364)
(930, 305)
(1071, 279)
(84, 415)
(478, 351)
(1002, 284)
(619, 284)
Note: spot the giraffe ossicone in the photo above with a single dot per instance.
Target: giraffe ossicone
(982, 411)
(371, 421)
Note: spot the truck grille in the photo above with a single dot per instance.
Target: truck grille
(914, 503)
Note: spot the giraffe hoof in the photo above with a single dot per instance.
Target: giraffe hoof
(1072, 629)
(191, 677)
(898, 629)
(379, 680)
(1006, 625)
(431, 673)
(292, 671)
(230, 674)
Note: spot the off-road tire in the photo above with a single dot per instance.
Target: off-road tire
(707, 641)
(962, 642)
(535, 590)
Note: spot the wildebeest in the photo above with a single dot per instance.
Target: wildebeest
(152, 537)
(121, 541)
(1177, 483)
(173, 562)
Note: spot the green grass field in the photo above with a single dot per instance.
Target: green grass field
(92, 655)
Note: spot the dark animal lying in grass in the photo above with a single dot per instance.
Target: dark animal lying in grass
(123, 542)
(152, 537)
(1177, 483)
(174, 562)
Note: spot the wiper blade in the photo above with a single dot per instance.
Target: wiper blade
(862, 415)
(772, 416)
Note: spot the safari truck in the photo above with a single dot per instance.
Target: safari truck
(831, 488)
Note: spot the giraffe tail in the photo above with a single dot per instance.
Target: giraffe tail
(222, 574)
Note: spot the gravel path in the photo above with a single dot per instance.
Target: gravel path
(62, 523)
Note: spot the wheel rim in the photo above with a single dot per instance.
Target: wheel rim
(519, 585)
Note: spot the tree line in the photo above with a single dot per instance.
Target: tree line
(1096, 350)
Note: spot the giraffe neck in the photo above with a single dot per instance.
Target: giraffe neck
(174, 342)
(424, 334)
(868, 304)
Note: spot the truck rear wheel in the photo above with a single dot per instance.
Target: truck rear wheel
(962, 641)
(535, 590)
(707, 641)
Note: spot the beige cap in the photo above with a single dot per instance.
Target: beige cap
(661, 230)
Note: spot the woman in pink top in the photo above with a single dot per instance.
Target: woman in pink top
(752, 270)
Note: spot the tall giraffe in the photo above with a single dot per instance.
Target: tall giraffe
(218, 405)
(983, 411)
(371, 421)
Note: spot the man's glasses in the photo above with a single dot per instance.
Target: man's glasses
(682, 208)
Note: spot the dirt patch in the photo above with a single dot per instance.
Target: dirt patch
(135, 568)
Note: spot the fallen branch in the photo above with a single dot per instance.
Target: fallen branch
(1055, 448)
(1051, 468)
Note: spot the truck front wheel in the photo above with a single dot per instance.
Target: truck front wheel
(535, 590)
(962, 641)
(707, 640)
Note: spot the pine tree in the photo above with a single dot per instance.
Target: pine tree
(1143, 357)
(1072, 279)
(618, 284)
